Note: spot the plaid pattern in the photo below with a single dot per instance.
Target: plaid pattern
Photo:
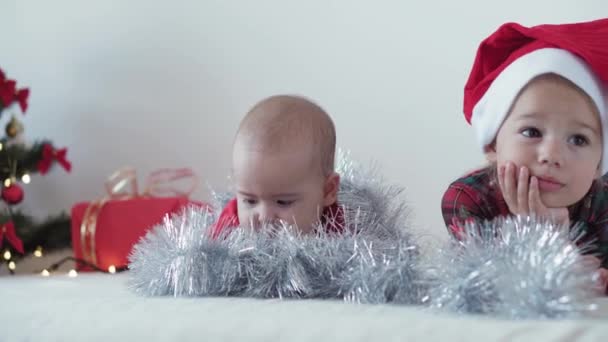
(477, 196)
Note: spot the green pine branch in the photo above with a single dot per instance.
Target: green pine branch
(51, 234)
(18, 159)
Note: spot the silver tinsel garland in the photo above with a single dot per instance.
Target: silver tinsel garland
(374, 261)
(512, 268)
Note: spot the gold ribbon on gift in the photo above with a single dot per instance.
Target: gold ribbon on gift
(122, 185)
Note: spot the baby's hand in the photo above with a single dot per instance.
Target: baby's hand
(522, 195)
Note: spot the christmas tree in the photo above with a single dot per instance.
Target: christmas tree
(19, 233)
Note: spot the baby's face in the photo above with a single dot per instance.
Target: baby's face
(553, 129)
(282, 186)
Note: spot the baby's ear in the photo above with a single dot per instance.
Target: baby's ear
(330, 190)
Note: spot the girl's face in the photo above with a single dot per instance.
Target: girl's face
(554, 130)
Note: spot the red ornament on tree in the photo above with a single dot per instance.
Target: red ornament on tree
(12, 194)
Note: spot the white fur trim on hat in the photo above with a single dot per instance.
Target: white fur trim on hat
(492, 109)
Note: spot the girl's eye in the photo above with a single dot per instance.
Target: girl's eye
(579, 140)
(531, 132)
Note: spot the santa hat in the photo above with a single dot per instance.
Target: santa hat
(513, 55)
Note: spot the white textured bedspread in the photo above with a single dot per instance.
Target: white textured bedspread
(99, 307)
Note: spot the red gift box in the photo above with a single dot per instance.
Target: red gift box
(105, 231)
(120, 224)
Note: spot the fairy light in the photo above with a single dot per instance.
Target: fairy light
(112, 269)
(7, 255)
(7, 182)
(12, 266)
(45, 273)
(38, 252)
(26, 179)
(72, 274)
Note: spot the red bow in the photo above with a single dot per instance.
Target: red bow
(21, 96)
(9, 93)
(8, 231)
(49, 154)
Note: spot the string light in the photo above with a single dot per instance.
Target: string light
(38, 252)
(45, 273)
(111, 269)
(7, 182)
(1, 146)
(12, 266)
(7, 255)
(26, 178)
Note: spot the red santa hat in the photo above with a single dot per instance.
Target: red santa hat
(513, 55)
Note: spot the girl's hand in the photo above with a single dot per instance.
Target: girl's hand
(522, 195)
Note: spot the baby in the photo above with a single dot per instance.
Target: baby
(283, 168)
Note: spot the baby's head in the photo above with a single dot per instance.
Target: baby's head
(283, 163)
(536, 97)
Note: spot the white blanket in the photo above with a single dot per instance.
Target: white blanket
(99, 307)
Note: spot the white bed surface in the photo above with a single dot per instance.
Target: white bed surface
(100, 307)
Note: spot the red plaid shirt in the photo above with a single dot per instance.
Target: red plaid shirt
(332, 218)
(477, 196)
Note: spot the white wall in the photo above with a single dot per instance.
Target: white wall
(173, 78)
